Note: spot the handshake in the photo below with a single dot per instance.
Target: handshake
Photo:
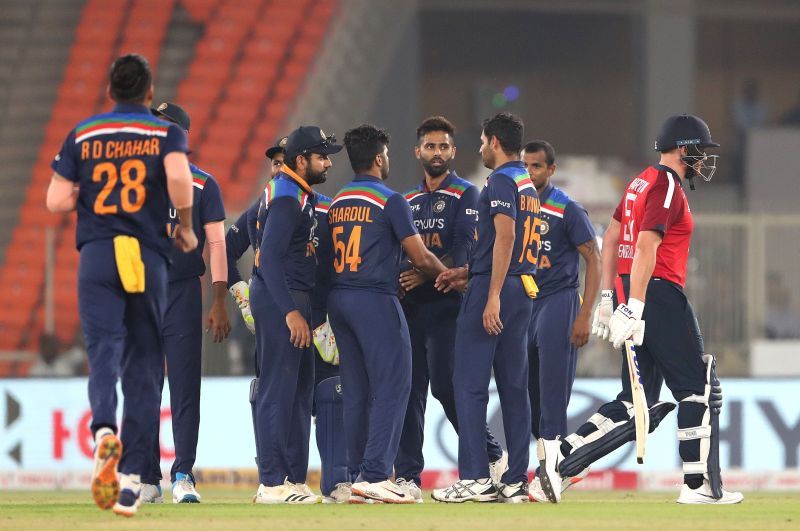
(621, 324)
(453, 279)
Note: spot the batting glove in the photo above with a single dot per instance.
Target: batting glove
(241, 294)
(603, 313)
(626, 323)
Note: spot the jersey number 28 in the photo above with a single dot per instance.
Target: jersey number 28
(132, 192)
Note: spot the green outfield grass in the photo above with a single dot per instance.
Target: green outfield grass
(231, 509)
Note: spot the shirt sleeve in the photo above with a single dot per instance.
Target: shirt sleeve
(398, 213)
(502, 194)
(65, 162)
(236, 243)
(464, 227)
(211, 207)
(579, 228)
(283, 218)
(663, 205)
(252, 223)
(175, 141)
(324, 251)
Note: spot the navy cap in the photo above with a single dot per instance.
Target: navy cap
(310, 139)
(279, 147)
(174, 113)
(684, 130)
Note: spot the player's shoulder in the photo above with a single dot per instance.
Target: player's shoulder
(515, 174)
(413, 193)
(201, 178)
(323, 203)
(372, 192)
(457, 187)
(558, 202)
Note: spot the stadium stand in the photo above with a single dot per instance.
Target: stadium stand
(239, 84)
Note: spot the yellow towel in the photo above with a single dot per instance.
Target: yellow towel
(128, 255)
(530, 286)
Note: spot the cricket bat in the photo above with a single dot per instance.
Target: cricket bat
(641, 414)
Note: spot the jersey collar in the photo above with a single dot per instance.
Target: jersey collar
(286, 170)
(669, 170)
(445, 183)
(131, 108)
(365, 177)
(546, 192)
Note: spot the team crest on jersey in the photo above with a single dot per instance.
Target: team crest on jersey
(545, 227)
(438, 207)
(161, 107)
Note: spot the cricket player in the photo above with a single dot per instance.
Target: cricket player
(371, 226)
(183, 326)
(560, 323)
(281, 307)
(492, 329)
(645, 251)
(444, 207)
(120, 171)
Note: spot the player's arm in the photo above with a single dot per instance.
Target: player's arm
(608, 255)
(283, 219)
(236, 243)
(501, 259)
(398, 213)
(644, 262)
(62, 194)
(179, 187)
(464, 227)
(591, 283)
(421, 258)
(217, 320)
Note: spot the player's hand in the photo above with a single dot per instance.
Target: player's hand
(603, 313)
(185, 239)
(580, 330)
(455, 278)
(491, 316)
(241, 294)
(299, 332)
(411, 279)
(627, 323)
(217, 322)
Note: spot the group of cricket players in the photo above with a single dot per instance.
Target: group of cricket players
(361, 301)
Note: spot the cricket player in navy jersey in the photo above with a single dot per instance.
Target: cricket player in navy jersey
(120, 171)
(371, 226)
(183, 326)
(444, 207)
(492, 329)
(560, 322)
(281, 307)
(645, 251)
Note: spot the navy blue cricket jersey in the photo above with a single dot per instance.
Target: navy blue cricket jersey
(206, 208)
(324, 251)
(368, 221)
(285, 257)
(508, 191)
(238, 239)
(117, 159)
(565, 225)
(446, 219)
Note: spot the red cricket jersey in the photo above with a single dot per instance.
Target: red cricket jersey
(655, 200)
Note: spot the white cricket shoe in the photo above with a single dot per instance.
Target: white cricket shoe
(305, 490)
(105, 481)
(472, 490)
(498, 468)
(128, 501)
(183, 490)
(550, 456)
(513, 493)
(702, 496)
(412, 488)
(340, 494)
(151, 494)
(286, 493)
(535, 492)
(385, 491)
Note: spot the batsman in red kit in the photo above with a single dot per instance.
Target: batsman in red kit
(645, 251)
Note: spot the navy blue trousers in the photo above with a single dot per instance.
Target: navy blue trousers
(123, 340)
(375, 356)
(477, 353)
(552, 359)
(183, 345)
(285, 390)
(432, 327)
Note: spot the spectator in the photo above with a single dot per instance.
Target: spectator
(792, 116)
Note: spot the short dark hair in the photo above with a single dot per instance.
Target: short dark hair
(542, 145)
(130, 78)
(363, 144)
(291, 162)
(435, 123)
(508, 129)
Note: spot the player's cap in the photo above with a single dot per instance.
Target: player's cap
(310, 139)
(684, 130)
(174, 113)
(279, 147)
